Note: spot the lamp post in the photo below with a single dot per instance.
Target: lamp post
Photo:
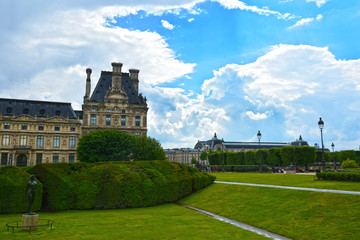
(333, 148)
(321, 126)
(259, 137)
(222, 156)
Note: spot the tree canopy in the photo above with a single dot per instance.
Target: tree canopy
(114, 145)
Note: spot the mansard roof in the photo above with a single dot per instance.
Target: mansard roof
(104, 85)
(17, 107)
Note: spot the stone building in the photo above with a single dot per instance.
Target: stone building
(34, 132)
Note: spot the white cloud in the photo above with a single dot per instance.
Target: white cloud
(167, 25)
(191, 19)
(319, 3)
(257, 116)
(289, 88)
(306, 21)
(236, 4)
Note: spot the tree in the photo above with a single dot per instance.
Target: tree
(114, 145)
(147, 148)
(105, 145)
(203, 155)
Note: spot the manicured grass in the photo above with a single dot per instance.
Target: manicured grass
(161, 222)
(292, 213)
(294, 180)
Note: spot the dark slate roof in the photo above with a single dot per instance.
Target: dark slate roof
(104, 84)
(33, 108)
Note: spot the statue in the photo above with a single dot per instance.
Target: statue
(30, 193)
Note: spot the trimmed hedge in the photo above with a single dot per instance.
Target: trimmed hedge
(339, 176)
(13, 183)
(107, 185)
(241, 168)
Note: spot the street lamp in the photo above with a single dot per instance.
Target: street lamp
(259, 137)
(333, 148)
(222, 155)
(321, 126)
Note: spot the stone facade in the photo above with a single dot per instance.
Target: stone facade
(34, 132)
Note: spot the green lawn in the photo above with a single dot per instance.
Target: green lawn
(294, 180)
(161, 222)
(292, 213)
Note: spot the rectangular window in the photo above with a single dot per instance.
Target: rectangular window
(108, 120)
(137, 134)
(108, 110)
(56, 141)
(24, 126)
(93, 119)
(55, 157)
(137, 111)
(6, 125)
(39, 158)
(72, 142)
(57, 128)
(23, 140)
(4, 159)
(123, 111)
(40, 141)
(93, 110)
(137, 121)
(41, 127)
(71, 157)
(123, 120)
(72, 128)
(5, 140)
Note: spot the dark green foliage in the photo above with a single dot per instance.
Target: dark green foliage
(147, 148)
(203, 155)
(105, 145)
(287, 155)
(251, 158)
(264, 156)
(304, 155)
(113, 145)
(106, 185)
(274, 155)
(240, 159)
(243, 168)
(58, 188)
(339, 176)
(13, 183)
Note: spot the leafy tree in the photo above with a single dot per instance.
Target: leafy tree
(287, 155)
(193, 160)
(349, 164)
(147, 148)
(274, 157)
(104, 145)
(203, 155)
(114, 145)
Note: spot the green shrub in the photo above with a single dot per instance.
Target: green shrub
(349, 164)
(58, 187)
(13, 183)
(339, 176)
(242, 168)
(107, 185)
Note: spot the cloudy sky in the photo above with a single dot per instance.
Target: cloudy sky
(226, 66)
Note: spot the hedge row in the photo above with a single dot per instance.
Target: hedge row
(13, 183)
(339, 176)
(241, 168)
(116, 185)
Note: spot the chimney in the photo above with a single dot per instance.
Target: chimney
(134, 77)
(88, 83)
(116, 77)
(116, 67)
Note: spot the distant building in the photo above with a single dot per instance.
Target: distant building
(184, 155)
(34, 132)
(216, 144)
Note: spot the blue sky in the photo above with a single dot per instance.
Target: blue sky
(226, 66)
